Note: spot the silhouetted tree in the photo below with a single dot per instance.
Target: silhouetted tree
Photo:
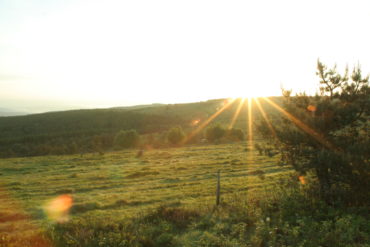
(330, 136)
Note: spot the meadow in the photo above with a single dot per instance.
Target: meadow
(166, 197)
(120, 185)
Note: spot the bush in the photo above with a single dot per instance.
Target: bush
(127, 139)
(215, 133)
(235, 134)
(175, 136)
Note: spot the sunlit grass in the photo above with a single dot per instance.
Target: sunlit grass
(119, 185)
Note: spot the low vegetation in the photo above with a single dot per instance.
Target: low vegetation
(175, 135)
(126, 139)
(119, 185)
(283, 218)
(167, 198)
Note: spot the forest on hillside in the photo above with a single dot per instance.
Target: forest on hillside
(95, 130)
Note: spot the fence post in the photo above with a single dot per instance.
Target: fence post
(218, 189)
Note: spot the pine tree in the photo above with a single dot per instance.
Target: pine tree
(328, 134)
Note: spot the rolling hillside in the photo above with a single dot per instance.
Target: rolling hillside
(77, 130)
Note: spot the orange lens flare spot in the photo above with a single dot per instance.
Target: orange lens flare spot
(195, 122)
(228, 101)
(58, 208)
(302, 179)
(311, 108)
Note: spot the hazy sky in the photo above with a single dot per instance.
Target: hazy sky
(75, 53)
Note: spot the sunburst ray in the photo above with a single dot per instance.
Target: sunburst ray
(210, 119)
(267, 120)
(317, 136)
(236, 114)
(250, 121)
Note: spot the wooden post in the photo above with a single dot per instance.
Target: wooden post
(218, 189)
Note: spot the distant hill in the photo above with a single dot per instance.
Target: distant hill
(4, 112)
(78, 130)
(136, 106)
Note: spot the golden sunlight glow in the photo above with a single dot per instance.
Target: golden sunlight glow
(311, 108)
(195, 122)
(236, 114)
(250, 121)
(58, 208)
(226, 104)
(264, 115)
(318, 137)
(302, 179)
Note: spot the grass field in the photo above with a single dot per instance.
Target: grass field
(166, 197)
(118, 185)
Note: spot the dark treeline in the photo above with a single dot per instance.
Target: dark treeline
(73, 131)
(95, 130)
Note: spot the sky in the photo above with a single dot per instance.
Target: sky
(64, 54)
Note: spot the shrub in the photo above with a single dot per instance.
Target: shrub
(175, 135)
(215, 133)
(127, 139)
(235, 134)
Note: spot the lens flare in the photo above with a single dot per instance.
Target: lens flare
(311, 108)
(302, 179)
(250, 121)
(236, 114)
(264, 115)
(58, 208)
(195, 122)
(226, 104)
(228, 101)
(317, 136)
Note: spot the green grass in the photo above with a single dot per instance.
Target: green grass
(175, 175)
(118, 185)
(166, 198)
